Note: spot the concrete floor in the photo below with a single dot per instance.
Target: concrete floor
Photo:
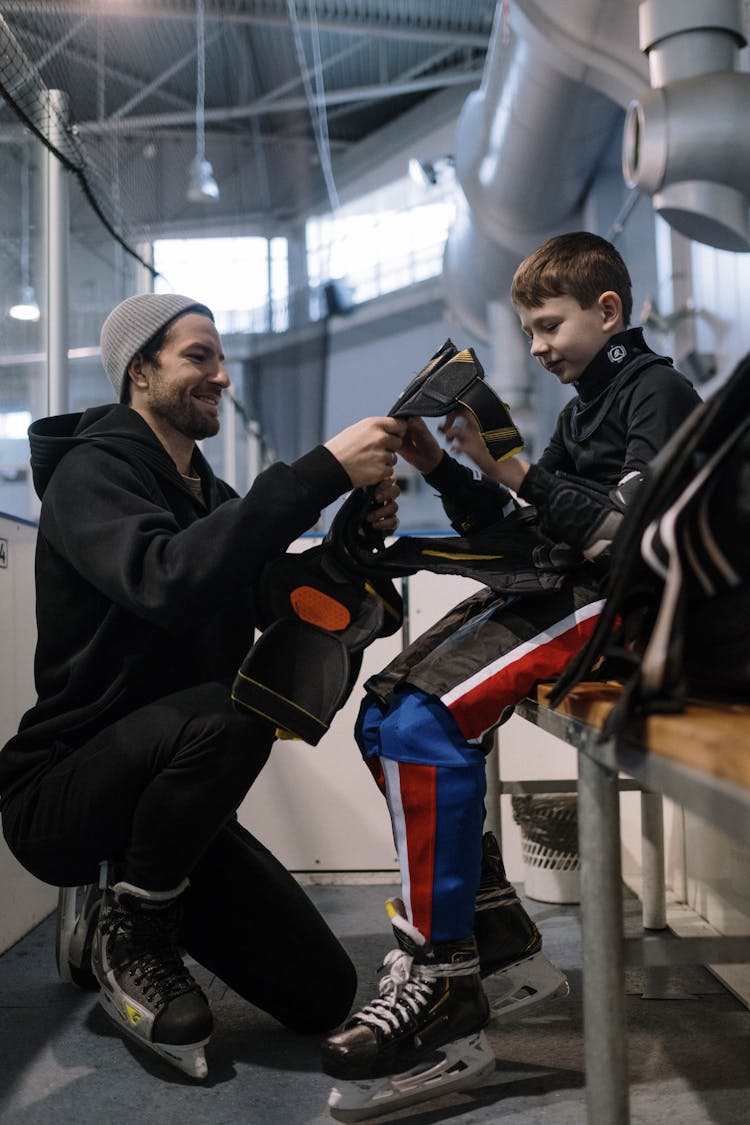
(62, 1062)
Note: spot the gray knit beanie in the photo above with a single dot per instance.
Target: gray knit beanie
(131, 325)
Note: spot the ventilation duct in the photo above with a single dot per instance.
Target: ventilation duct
(529, 141)
(686, 141)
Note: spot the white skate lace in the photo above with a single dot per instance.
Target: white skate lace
(403, 992)
(401, 995)
(496, 896)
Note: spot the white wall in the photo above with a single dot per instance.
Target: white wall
(24, 901)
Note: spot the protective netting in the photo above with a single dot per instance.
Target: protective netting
(44, 110)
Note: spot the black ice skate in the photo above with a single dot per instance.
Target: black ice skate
(421, 1038)
(145, 988)
(518, 976)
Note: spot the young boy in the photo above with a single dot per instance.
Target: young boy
(425, 718)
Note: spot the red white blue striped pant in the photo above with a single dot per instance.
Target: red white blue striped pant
(423, 730)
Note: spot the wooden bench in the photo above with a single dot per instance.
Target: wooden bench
(699, 758)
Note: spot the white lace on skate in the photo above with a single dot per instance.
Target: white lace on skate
(402, 995)
(405, 989)
(492, 897)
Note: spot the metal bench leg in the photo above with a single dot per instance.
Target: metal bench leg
(605, 1042)
(493, 821)
(654, 892)
(652, 862)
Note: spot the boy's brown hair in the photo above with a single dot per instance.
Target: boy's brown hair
(579, 265)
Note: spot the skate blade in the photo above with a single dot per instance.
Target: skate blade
(190, 1058)
(462, 1063)
(517, 990)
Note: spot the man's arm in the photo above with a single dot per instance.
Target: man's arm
(108, 519)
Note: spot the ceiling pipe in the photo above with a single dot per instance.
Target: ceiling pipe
(686, 141)
(529, 140)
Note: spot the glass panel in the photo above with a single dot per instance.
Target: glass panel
(22, 368)
(235, 277)
(385, 240)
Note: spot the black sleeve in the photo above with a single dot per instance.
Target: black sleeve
(102, 514)
(657, 404)
(581, 512)
(470, 503)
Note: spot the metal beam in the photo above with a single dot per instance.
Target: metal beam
(159, 81)
(282, 105)
(128, 9)
(92, 63)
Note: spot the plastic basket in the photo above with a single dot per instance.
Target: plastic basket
(549, 846)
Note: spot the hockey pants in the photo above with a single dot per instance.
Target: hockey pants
(423, 727)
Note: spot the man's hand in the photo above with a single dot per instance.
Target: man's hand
(462, 432)
(367, 450)
(383, 517)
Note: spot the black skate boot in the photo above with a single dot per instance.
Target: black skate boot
(421, 1038)
(509, 944)
(145, 988)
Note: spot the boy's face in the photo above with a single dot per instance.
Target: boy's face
(564, 337)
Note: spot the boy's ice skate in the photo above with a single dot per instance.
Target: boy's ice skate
(517, 975)
(145, 988)
(421, 1038)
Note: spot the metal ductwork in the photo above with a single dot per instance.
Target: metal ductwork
(686, 141)
(530, 139)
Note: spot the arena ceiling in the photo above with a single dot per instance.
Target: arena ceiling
(273, 93)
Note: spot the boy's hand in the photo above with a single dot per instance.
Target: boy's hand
(420, 447)
(463, 435)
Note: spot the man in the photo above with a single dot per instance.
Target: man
(133, 753)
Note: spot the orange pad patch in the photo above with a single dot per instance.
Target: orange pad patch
(319, 609)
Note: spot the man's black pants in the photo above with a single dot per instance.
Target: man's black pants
(156, 793)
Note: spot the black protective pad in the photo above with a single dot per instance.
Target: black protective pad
(296, 676)
(454, 380)
(509, 556)
(315, 587)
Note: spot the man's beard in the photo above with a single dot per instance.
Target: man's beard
(183, 414)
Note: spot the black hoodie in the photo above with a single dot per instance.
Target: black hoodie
(141, 590)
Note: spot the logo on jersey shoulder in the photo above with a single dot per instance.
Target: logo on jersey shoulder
(617, 353)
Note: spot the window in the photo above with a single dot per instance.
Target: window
(384, 241)
(244, 281)
(15, 423)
